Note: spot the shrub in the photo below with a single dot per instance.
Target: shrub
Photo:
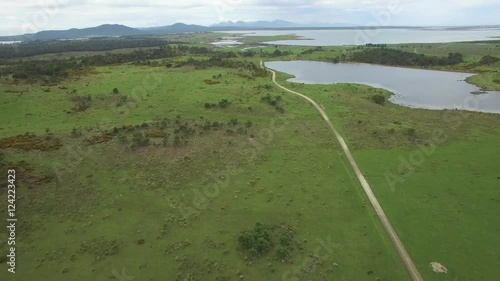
(75, 133)
(139, 140)
(224, 103)
(81, 103)
(411, 132)
(277, 53)
(257, 241)
(378, 99)
(177, 141)
(123, 139)
(274, 102)
(233, 122)
(282, 253)
(489, 60)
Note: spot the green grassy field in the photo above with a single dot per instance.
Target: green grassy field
(438, 186)
(175, 211)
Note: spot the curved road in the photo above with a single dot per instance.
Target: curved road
(410, 266)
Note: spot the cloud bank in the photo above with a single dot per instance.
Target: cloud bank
(35, 15)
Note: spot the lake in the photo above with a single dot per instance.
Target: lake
(340, 37)
(414, 88)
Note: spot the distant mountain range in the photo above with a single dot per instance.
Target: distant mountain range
(277, 24)
(107, 30)
(117, 30)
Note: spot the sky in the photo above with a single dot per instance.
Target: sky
(28, 16)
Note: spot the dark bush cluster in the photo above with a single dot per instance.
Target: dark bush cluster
(387, 56)
(378, 99)
(489, 60)
(274, 102)
(370, 45)
(53, 70)
(28, 49)
(224, 103)
(139, 140)
(257, 241)
(262, 239)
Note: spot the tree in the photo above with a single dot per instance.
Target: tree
(489, 60)
(115, 91)
(378, 99)
(277, 53)
(257, 241)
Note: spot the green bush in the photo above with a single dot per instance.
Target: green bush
(282, 253)
(75, 133)
(257, 241)
(123, 139)
(378, 99)
(224, 103)
(489, 60)
(274, 102)
(177, 141)
(139, 140)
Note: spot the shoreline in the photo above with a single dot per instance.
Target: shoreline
(467, 79)
(391, 93)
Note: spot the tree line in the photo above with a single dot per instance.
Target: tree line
(56, 69)
(397, 57)
(34, 48)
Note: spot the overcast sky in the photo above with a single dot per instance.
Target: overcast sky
(17, 17)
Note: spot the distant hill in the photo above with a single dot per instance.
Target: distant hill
(266, 24)
(175, 28)
(106, 30)
(276, 24)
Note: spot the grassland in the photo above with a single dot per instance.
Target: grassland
(108, 206)
(434, 172)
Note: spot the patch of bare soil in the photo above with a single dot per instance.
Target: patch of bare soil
(31, 142)
(439, 268)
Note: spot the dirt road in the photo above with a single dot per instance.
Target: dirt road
(410, 266)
